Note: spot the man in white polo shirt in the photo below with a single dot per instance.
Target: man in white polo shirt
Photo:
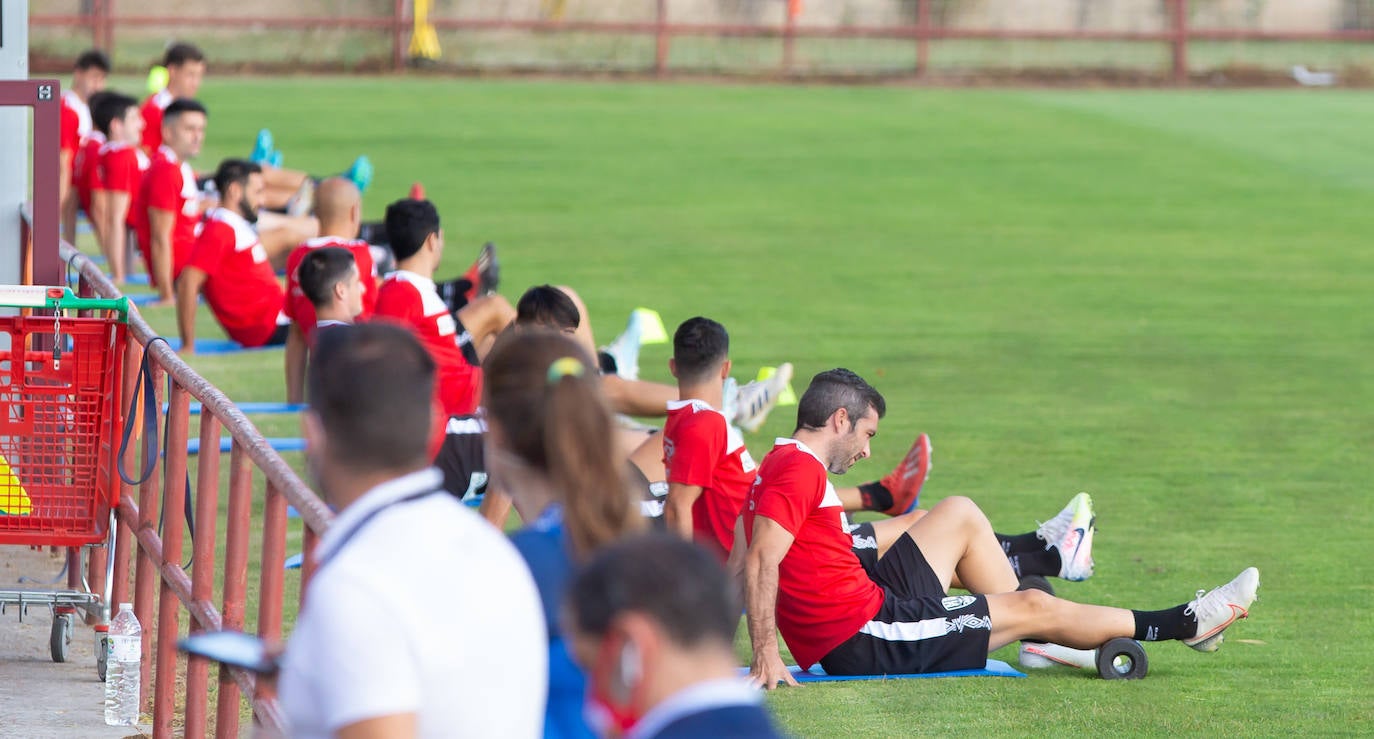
(400, 636)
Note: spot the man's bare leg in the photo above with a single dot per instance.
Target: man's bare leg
(484, 318)
(956, 539)
(648, 457)
(280, 233)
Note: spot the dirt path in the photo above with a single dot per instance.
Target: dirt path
(39, 698)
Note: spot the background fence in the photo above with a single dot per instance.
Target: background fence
(1146, 40)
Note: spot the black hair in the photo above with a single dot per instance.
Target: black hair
(234, 172)
(549, 307)
(179, 53)
(320, 270)
(700, 345)
(835, 389)
(678, 584)
(93, 59)
(372, 386)
(408, 223)
(107, 107)
(182, 105)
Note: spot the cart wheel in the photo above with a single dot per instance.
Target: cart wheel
(102, 653)
(1036, 582)
(61, 636)
(1122, 659)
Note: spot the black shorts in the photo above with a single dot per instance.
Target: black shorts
(919, 628)
(462, 459)
(865, 546)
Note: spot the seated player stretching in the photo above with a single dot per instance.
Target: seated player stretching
(118, 179)
(229, 264)
(802, 576)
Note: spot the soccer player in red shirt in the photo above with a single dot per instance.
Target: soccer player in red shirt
(803, 578)
(185, 65)
(170, 206)
(338, 205)
(119, 177)
(88, 78)
(456, 340)
(230, 265)
(709, 470)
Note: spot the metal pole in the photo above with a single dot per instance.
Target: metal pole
(1180, 42)
(923, 36)
(661, 38)
(398, 29)
(789, 38)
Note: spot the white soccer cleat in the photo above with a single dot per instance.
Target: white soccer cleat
(1220, 608)
(625, 349)
(1071, 532)
(1039, 655)
(729, 395)
(757, 398)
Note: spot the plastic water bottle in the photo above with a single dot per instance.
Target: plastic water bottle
(122, 674)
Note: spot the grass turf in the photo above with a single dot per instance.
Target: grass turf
(1159, 297)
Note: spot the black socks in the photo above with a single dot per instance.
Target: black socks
(1045, 562)
(1021, 543)
(875, 496)
(1170, 623)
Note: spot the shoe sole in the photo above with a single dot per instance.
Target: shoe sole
(1211, 641)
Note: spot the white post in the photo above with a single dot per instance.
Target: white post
(15, 146)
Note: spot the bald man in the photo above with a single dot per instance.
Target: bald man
(338, 206)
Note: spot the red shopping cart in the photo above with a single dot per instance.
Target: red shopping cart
(60, 380)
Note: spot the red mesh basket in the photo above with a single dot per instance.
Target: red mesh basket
(59, 421)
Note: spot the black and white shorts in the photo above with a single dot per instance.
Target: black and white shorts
(919, 628)
(865, 546)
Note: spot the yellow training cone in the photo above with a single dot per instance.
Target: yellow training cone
(14, 500)
(651, 329)
(786, 397)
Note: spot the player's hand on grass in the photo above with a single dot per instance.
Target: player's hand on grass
(767, 670)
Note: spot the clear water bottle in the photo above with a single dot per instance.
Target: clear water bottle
(122, 674)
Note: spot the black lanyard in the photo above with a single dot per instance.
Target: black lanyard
(373, 514)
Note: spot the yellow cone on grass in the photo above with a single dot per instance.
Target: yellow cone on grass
(14, 500)
(786, 397)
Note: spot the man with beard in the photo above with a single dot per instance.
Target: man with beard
(229, 264)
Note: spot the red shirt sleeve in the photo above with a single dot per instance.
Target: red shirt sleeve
(367, 272)
(698, 444)
(119, 171)
(215, 240)
(152, 126)
(789, 493)
(164, 188)
(69, 135)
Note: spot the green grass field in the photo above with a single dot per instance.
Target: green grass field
(1163, 298)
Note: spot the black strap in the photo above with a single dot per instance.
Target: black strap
(143, 386)
(373, 513)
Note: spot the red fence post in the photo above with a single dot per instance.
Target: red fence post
(661, 38)
(922, 36)
(203, 570)
(789, 37)
(398, 30)
(1180, 42)
(147, 570)
(238, 517)
(173, 524)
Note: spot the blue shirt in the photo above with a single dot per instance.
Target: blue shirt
(546, 550)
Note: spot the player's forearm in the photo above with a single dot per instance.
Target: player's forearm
(677, 508)
(186, 295)
(64, 176)
(761, 598)
(495, 507)
(114, 231)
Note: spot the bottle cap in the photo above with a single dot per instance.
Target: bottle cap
(126, 606)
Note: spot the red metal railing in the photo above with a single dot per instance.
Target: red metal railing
(921, 31)
(158, 571)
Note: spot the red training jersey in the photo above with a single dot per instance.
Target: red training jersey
(152, 119)
(120, 169)
(824, 595)
(299, 308)
(169, 185)
(412, 301)
(241, 288)
(86, 169)
(74, 124)
(700, 448)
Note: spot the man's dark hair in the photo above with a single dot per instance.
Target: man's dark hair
(321, 270)
(676, 583)
(835, 389)
(180, 53)
(408, 223)
(93, 59)
(234, 172)
(547, 306)
(107, 107)
(182, 105)
(372, 385)
(699, 347)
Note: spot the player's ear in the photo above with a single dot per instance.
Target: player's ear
(672, 366)
(725, 368)
(839, 419)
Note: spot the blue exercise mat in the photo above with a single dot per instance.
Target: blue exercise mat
(136, 279)
(253, 408)
(149, 298)
(817, 674)
(294, 561)
(218, 346)
(277, 444)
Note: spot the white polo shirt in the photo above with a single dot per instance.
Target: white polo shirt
(418, 606)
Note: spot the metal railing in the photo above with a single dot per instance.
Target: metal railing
(159, 577)
(920, 30)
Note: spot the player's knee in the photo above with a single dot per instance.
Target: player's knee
(959, 507)
(1036, 605)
